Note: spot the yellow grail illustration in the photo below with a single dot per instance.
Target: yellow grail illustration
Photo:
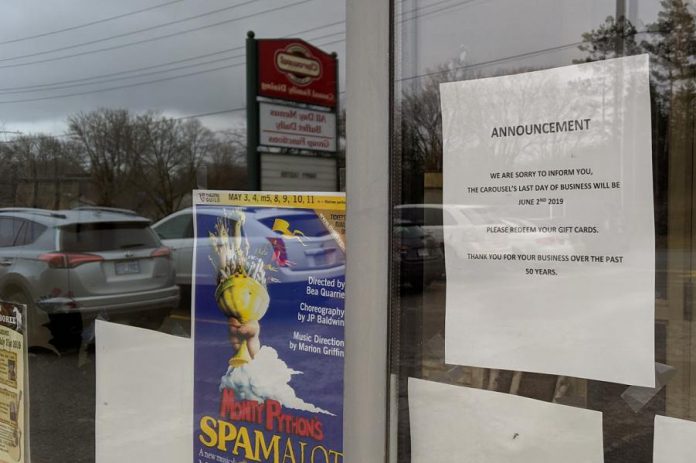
(246, 300)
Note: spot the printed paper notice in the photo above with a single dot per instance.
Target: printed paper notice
(456, 424)
(12, 383)
(144, 388)
(548, 222)
(675, 440)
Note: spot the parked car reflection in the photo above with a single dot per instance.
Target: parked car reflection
(68, 265)
(484, 229)
(419, 257)
(315, 253)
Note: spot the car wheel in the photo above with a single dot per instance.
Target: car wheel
(153, 320)
(66, 329)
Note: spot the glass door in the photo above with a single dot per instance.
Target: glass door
(437, 42)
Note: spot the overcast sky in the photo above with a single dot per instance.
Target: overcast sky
(31, 55)
(53, 63)
(507, 34)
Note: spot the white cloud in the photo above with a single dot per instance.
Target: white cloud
(267, 377)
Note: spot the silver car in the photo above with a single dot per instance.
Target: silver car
(86, 261)
(316, 254)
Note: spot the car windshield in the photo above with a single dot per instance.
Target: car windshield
(297, 224)
(107, 236)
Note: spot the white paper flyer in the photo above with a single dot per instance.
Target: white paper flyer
(460, 424)
(675, 440)
(550, 247)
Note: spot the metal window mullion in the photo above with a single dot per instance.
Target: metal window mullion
(367, 229)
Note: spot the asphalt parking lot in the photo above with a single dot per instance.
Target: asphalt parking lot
(62, 397)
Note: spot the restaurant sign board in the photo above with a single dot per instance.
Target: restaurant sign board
(294, 70)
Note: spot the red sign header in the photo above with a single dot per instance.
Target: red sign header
(293, 70)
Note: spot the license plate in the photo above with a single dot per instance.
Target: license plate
(423, 252)
(127, 267)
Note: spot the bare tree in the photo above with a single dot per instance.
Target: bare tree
(198, 143)
(108, 140)
(226, 162)
(172, 152)
(37, 161)
(145, 162)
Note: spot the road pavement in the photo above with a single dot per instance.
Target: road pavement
(62, 398)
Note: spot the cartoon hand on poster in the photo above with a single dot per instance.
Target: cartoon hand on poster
(244, 336)
(241, 292)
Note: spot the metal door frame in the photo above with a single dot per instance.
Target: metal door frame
(367, 229)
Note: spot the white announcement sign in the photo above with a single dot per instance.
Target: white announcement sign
(675, 440)
(292, 127)
(453, 424)
(550, 249)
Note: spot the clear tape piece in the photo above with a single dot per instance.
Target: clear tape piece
(637, 397)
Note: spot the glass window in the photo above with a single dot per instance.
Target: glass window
(114, 113)
(8, 231)
(176, 228)
(30, 232)
(465, 41)
(107, 236)
(308, 224)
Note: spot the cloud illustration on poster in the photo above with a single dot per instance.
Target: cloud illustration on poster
(267, 377)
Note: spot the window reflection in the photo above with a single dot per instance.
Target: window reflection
(112, 115)
(471, 40)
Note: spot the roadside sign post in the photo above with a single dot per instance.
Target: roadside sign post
(252, 110)
(292, 114)
(337, 110)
